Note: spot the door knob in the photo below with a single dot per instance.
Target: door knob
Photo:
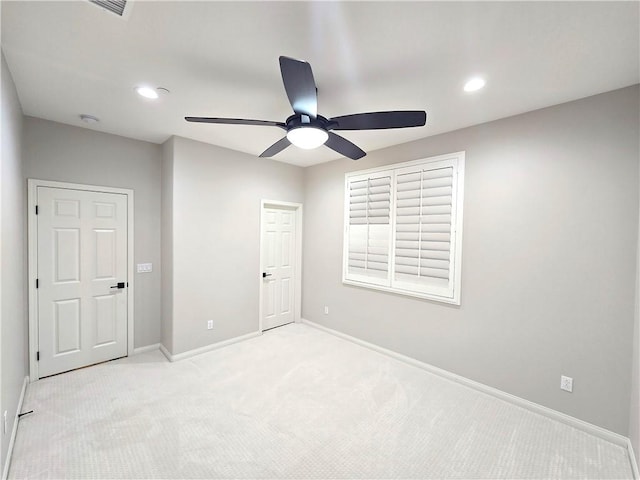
(265, 274)
(119, 285)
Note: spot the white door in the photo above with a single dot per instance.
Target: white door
(278, 268)
(82, 278)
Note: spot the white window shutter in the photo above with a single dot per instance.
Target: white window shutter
(424, 206)
(403, 228)
(369, 229)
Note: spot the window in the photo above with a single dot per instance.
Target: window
(403, 228)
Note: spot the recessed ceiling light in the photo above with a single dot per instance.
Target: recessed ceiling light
(89, 118)
(474, 84)
(147, 92)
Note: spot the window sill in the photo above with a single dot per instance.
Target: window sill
(455, 300)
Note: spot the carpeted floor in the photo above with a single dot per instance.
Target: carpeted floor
(293, 403)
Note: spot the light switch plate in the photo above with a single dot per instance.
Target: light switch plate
(145, 267)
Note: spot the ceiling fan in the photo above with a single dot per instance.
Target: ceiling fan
(306, 129)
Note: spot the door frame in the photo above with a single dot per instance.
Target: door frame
(297, 302)
(32, 233)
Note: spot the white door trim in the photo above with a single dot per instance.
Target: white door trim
(32, 195)
(297, 208)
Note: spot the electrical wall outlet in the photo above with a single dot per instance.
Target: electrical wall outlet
(566, 383)
(209, 324)
(326, 310)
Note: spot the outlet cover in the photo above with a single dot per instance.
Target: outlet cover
(566, 383)
(209, 324)
(326, 310)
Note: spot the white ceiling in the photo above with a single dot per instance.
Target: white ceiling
(221, 59)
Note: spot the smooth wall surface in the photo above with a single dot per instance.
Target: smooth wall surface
(548, 262)
(634, 407)
(13, 306)
(167, 245)
(216, 238)
(53, 151)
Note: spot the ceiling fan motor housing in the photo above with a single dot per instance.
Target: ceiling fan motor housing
(300, 121)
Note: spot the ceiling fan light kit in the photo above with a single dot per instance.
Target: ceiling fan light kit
(307, 138)
(306, 129)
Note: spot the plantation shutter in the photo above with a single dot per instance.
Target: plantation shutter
(369, 228)
(403, 228)
(425, 210)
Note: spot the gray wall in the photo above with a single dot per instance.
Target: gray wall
(53, 151)
(634, 406)
(548, 262)
(13, 307)
(216, 238)
(167, 244)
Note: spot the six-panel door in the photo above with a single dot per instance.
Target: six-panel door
(82, 255)
(279, 244)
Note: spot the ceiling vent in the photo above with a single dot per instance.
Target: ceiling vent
(115, 6)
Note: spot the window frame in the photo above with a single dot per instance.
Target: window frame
(457, 161)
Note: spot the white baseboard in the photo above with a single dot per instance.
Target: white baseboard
(632, 459)
(146, 348)
(521, 402)
(14, 430)
(165, 352)
(208, 348)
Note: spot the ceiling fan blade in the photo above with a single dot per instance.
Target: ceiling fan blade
(381, 120)
(300, 86)
(344, 146)
(235, 121)
(276, 147)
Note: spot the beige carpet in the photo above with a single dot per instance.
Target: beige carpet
(293, 403)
